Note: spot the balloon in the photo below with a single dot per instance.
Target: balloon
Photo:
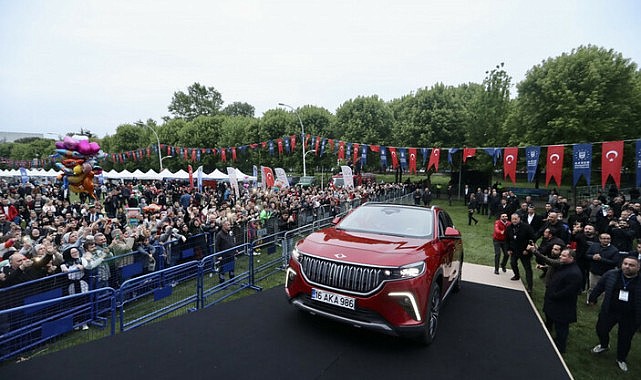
(71, 162)
(76, 179)
(94, 147)
(77, 170)
(80, 137)
(86, 168)
(60, 145)
(70, 143)
(83, 147)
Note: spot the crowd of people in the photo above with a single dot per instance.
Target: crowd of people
(42, 232)
(590, 250)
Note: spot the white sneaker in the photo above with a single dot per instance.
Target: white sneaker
(598, 349)
(623, 366)
(85, 327)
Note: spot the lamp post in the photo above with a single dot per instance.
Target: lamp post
(160, 157)
(302, 129)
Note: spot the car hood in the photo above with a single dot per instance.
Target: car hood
(364, 248)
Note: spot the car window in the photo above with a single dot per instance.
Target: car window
(444, 221)
(391, 220)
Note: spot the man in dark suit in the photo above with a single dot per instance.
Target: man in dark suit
(518, 236)
(532, 218)
(561, 293)
(93, 215)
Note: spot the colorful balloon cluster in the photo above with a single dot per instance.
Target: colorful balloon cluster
(78, 162)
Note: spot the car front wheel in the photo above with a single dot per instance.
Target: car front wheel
(431, 315)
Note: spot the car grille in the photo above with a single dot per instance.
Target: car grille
(346, 277)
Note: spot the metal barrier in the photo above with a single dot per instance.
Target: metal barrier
(169, 292)
(39, 311)
(52, 322)
(238, 260)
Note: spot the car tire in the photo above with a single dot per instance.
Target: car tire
(433, 308)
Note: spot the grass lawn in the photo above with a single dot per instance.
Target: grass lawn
(581, 362)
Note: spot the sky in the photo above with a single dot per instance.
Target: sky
(95, 65)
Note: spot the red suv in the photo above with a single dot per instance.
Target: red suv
(384, 267)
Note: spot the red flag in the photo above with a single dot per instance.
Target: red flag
(341, 150)
(412, 160)
(185, 153)
(280, 146)
(394, 157)
(554, 168)
(263, 144)
(356, 156)
(611, 160)
(434, 157)
(268, 176)
(233, 153)
(292, 142)
(168, 150)
(375, 148)
(223, 154)
(148, 152)
(468, 153)
(331, 145)
(316, 148)
(509, 163)
(191, 177)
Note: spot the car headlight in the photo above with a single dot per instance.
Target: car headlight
(295, 254)
(406, 271)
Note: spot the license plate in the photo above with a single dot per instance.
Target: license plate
(334, 299)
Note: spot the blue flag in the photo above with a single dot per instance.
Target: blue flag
(402, 153)
(383, 157)
(532, 154)
(363, 155)
(450, 152)
(426, 153)
(582, 161)
(495, 153)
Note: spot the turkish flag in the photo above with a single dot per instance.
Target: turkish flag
(375, 148)
(268, 176)
(356, 156)
(317, 147)
(394, 157)
(468, 153)
(554, 167)
(223, 154)
(331, 145)
(412, 160)
(341, 150)
(611, 160)
(292, 141)
(191, 177)
(434, 157)
(193, 154)
(509, 163)
(233, 153)
(280, 146)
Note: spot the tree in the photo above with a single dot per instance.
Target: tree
(591, 94)
(198, 101)
(364, 120)
(239, 109)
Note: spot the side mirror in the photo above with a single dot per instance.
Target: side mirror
(452, 232)
(336, 220)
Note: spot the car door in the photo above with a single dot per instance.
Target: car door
(452, 250)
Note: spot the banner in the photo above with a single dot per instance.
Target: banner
(450, 153)
(348, 177)
(554, 167)
(611, 160)
(392, 152)
(532, 154)
(495, 153)
(412, 152)
(434, 158)
(468, 153)
(341, 150)
(199, 178)
(383, 152)
(267, 177)
(24, 178)
(363, 155)
(356, 155)
(425, 152)
(191, 177)
(509, 163)
(233, 181)
(582, 162)
(402, 154)
(281, 178)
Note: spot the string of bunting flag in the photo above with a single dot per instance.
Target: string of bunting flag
(407, 158)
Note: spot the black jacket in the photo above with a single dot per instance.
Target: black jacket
(608, 285)
(561, 293)
(517, 237)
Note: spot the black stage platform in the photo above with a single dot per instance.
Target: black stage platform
(485, 333)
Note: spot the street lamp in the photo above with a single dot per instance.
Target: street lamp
(302, 129)
(160, 157)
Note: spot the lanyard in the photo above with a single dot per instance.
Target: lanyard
(625, 283)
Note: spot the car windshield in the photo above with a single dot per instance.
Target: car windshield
(390, 220)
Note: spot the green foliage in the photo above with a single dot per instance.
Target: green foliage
(239, 109)
(364, 120)
(591, 94)
(198, 101)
